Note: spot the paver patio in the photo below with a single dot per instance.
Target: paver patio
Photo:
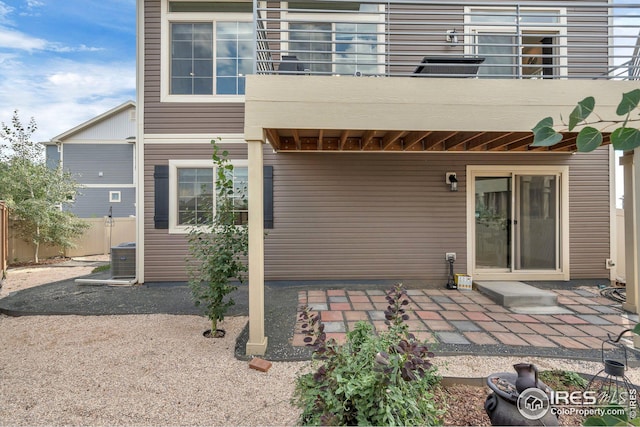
(468, 318)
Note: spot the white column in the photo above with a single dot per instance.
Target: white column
(631, 210)
(257, 343)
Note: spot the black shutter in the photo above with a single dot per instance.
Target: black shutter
(268, 196)
(161, 191)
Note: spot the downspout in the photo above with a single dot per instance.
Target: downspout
(139, 172)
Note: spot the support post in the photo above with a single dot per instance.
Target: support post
(631, 209)
(257, 342)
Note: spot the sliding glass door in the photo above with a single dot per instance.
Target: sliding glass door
(517, 222)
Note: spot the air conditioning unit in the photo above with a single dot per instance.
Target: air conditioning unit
(123, 260)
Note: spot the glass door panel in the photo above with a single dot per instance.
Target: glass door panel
(537, 222)
(493, 222)
(499, 52)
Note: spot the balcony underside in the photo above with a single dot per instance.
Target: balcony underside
(410, 141)
(311, 113)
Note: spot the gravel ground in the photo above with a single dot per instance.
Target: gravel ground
(158, 369)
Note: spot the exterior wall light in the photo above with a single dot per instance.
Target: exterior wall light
(450, 178)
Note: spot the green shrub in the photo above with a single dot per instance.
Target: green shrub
(101, 268)
(383, 379)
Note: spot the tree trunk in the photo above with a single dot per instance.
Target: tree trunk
(35, 255)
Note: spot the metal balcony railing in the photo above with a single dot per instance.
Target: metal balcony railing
(521, 40)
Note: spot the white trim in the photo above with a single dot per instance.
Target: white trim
(166, 18)
(204, 138)
(563, 272)
(472, 29)
(613, 215)
(174, 165)
(99, 142)
(112, 199)
(336, 18)
(139, 148)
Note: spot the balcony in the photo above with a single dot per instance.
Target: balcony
(467, 76)
(510, 40)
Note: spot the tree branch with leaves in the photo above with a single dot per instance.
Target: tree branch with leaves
(35, 193)
(218, 245)
(624, 137)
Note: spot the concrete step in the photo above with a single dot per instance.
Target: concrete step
(516, 294)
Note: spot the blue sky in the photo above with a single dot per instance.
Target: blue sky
(63, 62)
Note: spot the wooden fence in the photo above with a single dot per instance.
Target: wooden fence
(102, 234)
(4, 237)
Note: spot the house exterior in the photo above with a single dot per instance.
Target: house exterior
(348, 120)
(100, 155)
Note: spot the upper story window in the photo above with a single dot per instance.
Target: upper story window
(209, 50)
(329, 42)
(525, 43)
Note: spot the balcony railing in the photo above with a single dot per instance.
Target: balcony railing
(526, 40)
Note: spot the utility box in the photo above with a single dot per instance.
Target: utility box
(123, 260)
(463, 282)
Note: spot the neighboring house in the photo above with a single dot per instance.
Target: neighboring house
(100, 155)
(348, 119)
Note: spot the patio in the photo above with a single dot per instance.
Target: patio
(461, 320)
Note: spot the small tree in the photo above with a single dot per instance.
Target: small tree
(34, 192)
(218, 245)
(624, 137)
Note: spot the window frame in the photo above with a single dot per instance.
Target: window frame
(174, 165)
(167, 18)
(563, 240)
(472, 30)
(333, 19)
(114, 193)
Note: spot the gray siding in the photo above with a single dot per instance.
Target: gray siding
(381, 216)
(94, 202)
(173, 117)
(85, 161)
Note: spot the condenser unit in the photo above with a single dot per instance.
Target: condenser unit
(123, 260)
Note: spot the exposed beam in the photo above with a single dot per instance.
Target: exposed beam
(273, 136)
(367, 138)
(568, 141)
(390, 138)
(460, 139)
(414, 138)
(437, 138)
(486, 138)
(521, 143)
(343, 139)
(296, 138)
(320, 139)
(504, 142)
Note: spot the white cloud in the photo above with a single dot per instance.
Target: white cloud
(62, 94)
(16, 40)
(34, 3)
(5, 11)
(11, 39)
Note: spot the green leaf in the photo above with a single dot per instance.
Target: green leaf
(545, 137)
(629, 102)
(589, 139)
(625, 138)
(581, 111)
(594, 421)
(544, 123)
(636, 329)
